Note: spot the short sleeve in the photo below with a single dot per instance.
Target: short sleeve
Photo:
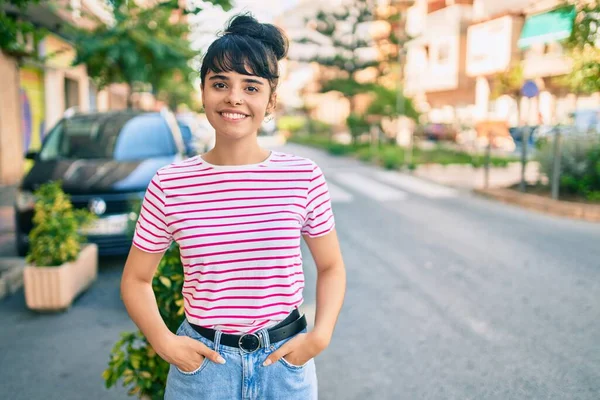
(319, 214)
(151, 231)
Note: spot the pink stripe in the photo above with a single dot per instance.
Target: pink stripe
(240, 260)
(240, 241)
(233, 190)
(152, 233)
(315, 199)
(146, 248)
(240, 307)
(226, 271)
(236, 208)
(142, 216)
(215, 299)
(215, 173)
(232, 216)
(236, 316)
(139, 235)
(186, 166)
(232, 224)
(243, 278)
(320, 215)
(235, 232)
(154, 194)
(239, 251)
(329, 229)
(231, 199)
(144, 208)
(322, 223)
(198, 290)
(238, 181)
(315, 188)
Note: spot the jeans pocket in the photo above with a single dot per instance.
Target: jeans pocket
(292, 366)
(194, 372)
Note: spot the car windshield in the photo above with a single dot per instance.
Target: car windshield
(120, 137)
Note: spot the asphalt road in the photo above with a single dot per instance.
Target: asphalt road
(449, 297)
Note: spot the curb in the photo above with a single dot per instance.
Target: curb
(585, 212)
(11, 275)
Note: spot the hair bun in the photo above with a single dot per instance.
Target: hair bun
(268, 34)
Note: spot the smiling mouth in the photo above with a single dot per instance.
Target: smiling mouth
(233, 116)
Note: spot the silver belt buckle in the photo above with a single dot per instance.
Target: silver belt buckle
(252, 340)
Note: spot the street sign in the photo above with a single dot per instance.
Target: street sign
(530, 89)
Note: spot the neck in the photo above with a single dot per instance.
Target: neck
(236, 152)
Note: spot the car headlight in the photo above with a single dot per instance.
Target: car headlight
(25, 200)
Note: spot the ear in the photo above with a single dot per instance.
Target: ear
(272, 103)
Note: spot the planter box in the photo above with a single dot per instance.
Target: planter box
(55, 288)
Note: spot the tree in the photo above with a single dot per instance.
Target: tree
(509, 83)
(18, 37)
(584, 47)
(143, 45)
(341, 25)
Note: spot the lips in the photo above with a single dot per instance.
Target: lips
(233, 116)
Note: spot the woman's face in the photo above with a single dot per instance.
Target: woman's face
(236, 104)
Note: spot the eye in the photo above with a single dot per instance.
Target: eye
(219, 85)
(252, 89)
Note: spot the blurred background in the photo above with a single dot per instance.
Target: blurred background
(427, 117)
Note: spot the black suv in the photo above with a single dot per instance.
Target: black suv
(105, 162)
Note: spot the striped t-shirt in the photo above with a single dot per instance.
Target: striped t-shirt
(239, 230)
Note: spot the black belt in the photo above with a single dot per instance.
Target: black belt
(250, 342)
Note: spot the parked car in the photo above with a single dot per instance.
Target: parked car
(105, 162)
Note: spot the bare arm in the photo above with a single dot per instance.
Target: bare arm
(331, 283)
(139, 298)
(140, 302)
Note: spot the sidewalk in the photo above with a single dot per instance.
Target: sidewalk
(11, 266)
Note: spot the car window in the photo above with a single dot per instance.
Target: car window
(128, 136)
(145, 137)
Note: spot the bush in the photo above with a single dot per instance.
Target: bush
(292, 124)
(132, 359)
(56, 237)
(357, 124)
(391, 157)
(339, 149)
(580, 166)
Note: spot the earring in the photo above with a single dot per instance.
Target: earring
(269, 118)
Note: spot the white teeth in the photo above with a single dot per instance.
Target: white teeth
(233, 115)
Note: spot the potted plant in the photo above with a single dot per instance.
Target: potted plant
(60, 265)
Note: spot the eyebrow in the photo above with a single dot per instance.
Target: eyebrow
(225, 78)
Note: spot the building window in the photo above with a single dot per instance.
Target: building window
(71, 93)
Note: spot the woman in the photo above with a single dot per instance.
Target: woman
(237, 213)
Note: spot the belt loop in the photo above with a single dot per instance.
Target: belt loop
(217, 340)
(265, 337)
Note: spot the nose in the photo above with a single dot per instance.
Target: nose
(234, 97)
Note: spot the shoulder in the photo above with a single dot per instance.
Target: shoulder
(293, 162)
(193, 164)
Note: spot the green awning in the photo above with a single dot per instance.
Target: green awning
(547, 27)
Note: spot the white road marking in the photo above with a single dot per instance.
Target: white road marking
(369, 187)
(338, 195)
(416, 185)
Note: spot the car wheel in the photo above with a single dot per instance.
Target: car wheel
(21, 245)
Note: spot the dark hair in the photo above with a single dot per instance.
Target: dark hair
(247, 47)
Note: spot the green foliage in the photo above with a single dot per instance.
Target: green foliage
(144, 45)
(55, 238)
(583, 47)
(385, 104)
(292, 124)
(580, 166)
(15, 31)
(508, 82)
(349, 87)
(357, 124)
(133, 360)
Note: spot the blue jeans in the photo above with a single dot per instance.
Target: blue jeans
(242, 377)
